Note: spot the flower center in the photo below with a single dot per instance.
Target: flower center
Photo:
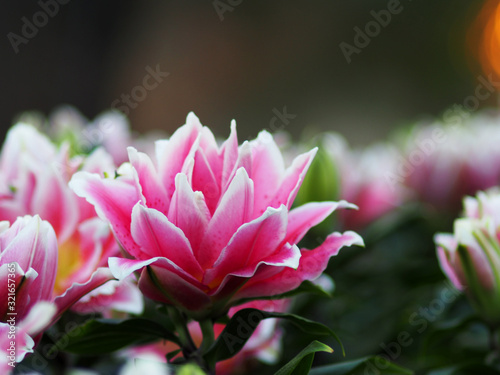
(69, 260)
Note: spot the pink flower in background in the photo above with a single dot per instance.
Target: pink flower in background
(365, 183)
(208, 225)
(110, 131)
(444, 163)
(358, 176)
(264, 344)
(470, 257)
(34, 180)
(28, 263)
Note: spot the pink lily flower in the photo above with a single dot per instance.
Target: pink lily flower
(365, 183)
(209, 225)
(28, 263)
(34, 181)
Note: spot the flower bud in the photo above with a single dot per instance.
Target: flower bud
(471, 256)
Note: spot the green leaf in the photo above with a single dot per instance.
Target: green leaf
(97, 337)
(302, 362)
(361, 366)
(244, 322)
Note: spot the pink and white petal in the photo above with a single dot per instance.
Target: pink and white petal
(29, 292)
(122, 268)
(268, 169)
(211, 152)
(19, 242)
(96, 245)
(171, 154)
(22, 138)
(287, 257)
(77, 290)
(50, 188)
(158, 237)
(10, 208)
(252, 242)
(445, 254)
(244, 161)
(113, 200)
(303, 218)
(34, 246)
(30, 241)
(203, 179)
(292, 180)
(115, 295)
(39, 318)
(312, 264)
(26, 184)
(148, 182)
(23, 345)
(114, 129)
(229, 152)
(235, 209)
(4, 225)
(23, 284)
(188, 166)
(99, 161)
(188, 211)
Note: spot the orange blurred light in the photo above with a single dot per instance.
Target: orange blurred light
(484, 37)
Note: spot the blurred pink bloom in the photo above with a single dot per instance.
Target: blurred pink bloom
(443, 163)
(209, 225)
(470, 257)
(264, 344)
(28, 263)
(34, 176)
(109, 131)
(359, 176)
(364, 183)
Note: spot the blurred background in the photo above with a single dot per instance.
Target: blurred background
(360, 68)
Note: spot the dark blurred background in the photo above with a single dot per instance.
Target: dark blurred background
(243, 60)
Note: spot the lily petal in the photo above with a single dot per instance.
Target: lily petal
(235, 209)
(103, 193)
(158, 237)
(312, 264)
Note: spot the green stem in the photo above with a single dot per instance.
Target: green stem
(185, 338)
(207, 329)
